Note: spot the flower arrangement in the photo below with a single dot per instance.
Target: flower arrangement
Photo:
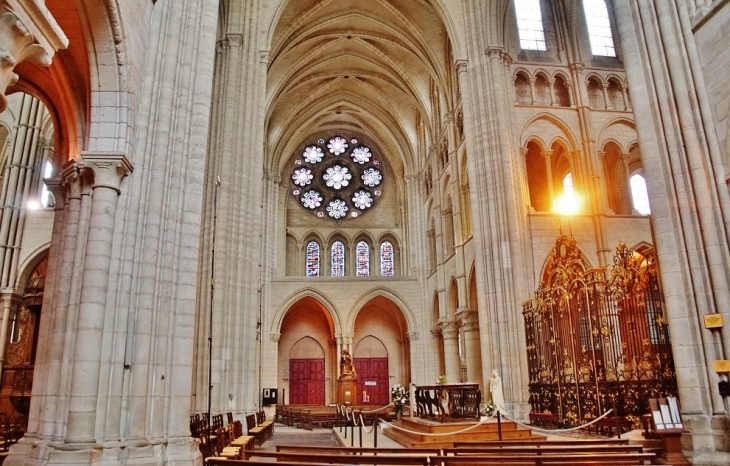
(399, 397)
(490, 409)
(441, 380)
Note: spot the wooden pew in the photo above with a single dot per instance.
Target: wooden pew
(357, 450)
(539, 449)
(608, 459)
(336, 458)
(543, 441)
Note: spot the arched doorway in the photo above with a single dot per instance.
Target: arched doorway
(306, 354)
(381, 351)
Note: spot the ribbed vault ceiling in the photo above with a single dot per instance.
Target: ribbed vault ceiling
(363, 67)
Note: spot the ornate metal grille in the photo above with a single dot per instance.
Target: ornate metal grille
(595, 343)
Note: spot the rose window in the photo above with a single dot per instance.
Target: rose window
(333, 177)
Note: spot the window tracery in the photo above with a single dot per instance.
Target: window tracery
(337, 178)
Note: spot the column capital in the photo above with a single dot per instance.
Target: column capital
(577, 67)
(109, 168)
(274, 337)
(234, 39)
(469, 319)
(449, 328)
(75, 179)
(29, 33)
(460, 66)
(412, 336)
(498, 53)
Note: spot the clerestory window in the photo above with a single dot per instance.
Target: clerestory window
(529, 24)
(599, 28)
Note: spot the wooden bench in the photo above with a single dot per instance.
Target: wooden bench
(612, 459)
(358, 450)
(541, 449)
(543, 441)
(336, 458)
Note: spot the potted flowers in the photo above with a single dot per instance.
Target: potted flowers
(399, 397)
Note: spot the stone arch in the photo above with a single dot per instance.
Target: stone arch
(306, 357)
(557, 127)
(310, 293)
(390, 295)
(29, 264)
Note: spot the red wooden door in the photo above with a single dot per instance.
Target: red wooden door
(372, 381)
(306, 381)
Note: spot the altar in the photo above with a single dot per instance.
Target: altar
(449, 401)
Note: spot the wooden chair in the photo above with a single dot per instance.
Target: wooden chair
(253, 430)
(267, 425)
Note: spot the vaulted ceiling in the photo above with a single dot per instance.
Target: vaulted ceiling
(370, 68)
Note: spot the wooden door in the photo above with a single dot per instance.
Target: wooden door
(306, 381)
(372, 381)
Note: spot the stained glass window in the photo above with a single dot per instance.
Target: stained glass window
(337, 178)
(599, 28)
(363, 259)
(338, 259)
(312, 259)
(386, 259)
(529, 24)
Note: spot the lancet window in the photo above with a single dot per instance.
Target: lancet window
(639, 194)
(387, 268)
(363, 259)
(338, 259)
(599, 28)
(529, 24)
(312, 259)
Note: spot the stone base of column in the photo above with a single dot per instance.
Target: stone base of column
(706, 440)
(178, 452)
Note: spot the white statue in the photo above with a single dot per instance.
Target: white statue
(495, 388)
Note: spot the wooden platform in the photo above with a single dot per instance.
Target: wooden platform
(424, 427)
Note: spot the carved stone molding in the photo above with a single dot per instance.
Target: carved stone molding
(109, 168)
(29, 33)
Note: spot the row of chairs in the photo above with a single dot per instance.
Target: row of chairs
(259, 428)
(217, 440)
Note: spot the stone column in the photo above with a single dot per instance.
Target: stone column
(548, 156)
(450, 333)
(553, 101)
(109, 169)
(470, 325)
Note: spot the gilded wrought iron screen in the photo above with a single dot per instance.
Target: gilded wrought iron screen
(595, 343)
